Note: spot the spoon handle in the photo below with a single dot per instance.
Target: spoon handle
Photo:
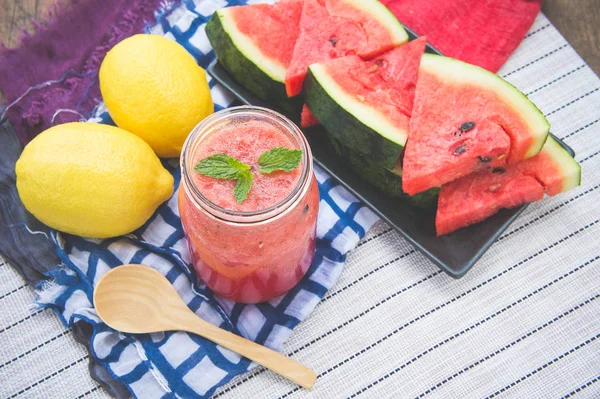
(275, 361)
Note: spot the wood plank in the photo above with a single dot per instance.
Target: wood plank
(579, 22)
(24, 13)
(43, 7)
(7, 9)
(16, 15)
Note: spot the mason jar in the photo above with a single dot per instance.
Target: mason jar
(259, 249)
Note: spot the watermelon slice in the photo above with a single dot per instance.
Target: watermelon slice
(466, 119)
(367, 104)
(486, 35)
(255, 43)
(474, 198)
(307, 119)
(336, 28)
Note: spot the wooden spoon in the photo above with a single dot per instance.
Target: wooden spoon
(137, 299)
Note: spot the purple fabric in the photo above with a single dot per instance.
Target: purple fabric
(56, 68)
(69, 48)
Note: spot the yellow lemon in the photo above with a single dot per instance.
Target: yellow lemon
(91, 180)
(154, 88)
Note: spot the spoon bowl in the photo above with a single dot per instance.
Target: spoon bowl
(137, 299)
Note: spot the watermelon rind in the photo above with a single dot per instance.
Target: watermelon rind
(569, 167)
(359, 125)
(388, 181)
(457, 72)
(248, 65)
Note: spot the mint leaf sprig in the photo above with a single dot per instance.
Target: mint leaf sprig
(243, 186)
(279, 158)
(222, 166)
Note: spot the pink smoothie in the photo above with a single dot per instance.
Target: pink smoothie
(246, 142)
(251, 262)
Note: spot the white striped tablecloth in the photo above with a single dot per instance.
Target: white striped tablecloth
(524, 323)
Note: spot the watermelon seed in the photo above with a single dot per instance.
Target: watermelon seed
(379, 62)
(501, 156)
(495, 187)
(485, 159)
(465, 127)
(498, 170)
(333, 41)
(460, 149)
(306, 208)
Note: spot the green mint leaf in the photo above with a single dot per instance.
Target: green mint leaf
(220, 166)
(279, 158)
(243, 185)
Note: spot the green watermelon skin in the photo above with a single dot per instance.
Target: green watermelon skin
(387, 181)
(367, 104)
(343, 126)
(245, 70)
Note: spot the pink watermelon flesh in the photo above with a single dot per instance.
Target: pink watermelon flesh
(274, 28)
(546, 170)
(307, 119)
(389, 81)
(430, 161)
(439, 151)
(331, 29)
(478, 196)
(386, 82)
(482, 38)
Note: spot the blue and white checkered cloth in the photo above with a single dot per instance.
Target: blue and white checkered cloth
(178, 364)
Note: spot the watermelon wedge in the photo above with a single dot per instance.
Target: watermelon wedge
(367, 104)
(466, 119)
(474, 198)
(255, 43)
(336, 28)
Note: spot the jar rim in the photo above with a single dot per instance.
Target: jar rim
(209, 125)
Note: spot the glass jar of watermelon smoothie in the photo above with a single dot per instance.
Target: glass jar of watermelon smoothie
(262, 247)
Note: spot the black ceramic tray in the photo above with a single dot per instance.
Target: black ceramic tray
(455, 253)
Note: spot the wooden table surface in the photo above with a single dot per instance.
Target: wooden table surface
(577, 20)
(16, 15)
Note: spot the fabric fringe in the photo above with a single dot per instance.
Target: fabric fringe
(48, 290)
(121, 30)
(38, 87)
